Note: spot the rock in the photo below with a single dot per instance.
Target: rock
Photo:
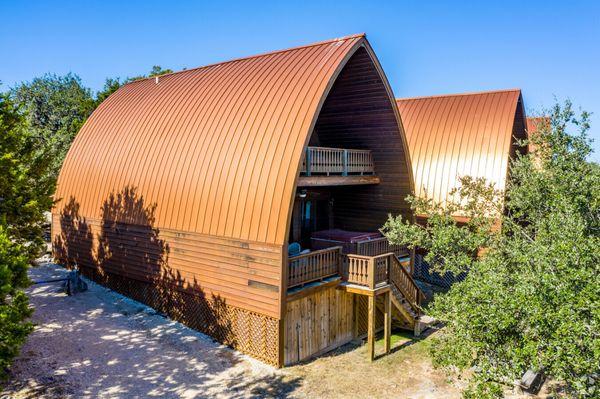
(532, 381)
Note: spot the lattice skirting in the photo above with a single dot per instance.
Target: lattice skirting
(424, 272)
(362, 304)
(246, 331)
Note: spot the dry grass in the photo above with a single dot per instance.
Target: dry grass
(405, 373)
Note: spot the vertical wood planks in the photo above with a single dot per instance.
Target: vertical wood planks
(320, 321)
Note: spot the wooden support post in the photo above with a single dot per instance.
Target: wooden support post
(387, 326)
(371, 273)
(371, 330)
(356, 304)
(308, 161)
(345, 163)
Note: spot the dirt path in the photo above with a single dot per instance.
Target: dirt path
(101, 344)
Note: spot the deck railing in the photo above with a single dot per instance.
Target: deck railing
(402, 279)
(340, 161)
(314, 266)
(378, 246)
(368, 271)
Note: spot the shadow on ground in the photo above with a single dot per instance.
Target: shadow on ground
(101, 344)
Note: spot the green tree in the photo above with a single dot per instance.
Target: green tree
(14, 308)
(531, 298)
(55, 108)
(157, 70)
(110, 86)
(25, 184)
(24, 195)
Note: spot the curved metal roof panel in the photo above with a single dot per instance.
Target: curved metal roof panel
(217, 148)
(470, 134)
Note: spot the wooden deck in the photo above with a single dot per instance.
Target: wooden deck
(368, 267)
(369, 275)
(314, 266)
(331, 180)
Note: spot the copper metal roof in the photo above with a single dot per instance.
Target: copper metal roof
(458, 135)
(217, 148)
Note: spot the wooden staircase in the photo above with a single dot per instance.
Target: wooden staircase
(406, 297)
(372, 274)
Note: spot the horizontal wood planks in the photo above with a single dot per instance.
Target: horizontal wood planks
(242, 273)
(328, 181)
(317, 323)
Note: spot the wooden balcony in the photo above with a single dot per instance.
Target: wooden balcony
(361, 270)
(378, 246)
(353, 267)
(324, 166)
(371, 276)
(314, 266)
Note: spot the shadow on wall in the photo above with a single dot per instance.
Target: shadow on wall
(74, 245)
(129, 256)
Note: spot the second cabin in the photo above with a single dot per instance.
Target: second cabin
(244, 199)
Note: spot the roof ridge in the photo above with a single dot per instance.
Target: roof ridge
(338, 39)
(471, 93)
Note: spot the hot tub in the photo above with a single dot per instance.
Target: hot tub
(344, 238)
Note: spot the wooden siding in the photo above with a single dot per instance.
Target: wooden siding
(317, 323)
(358, 114)
(214, 266)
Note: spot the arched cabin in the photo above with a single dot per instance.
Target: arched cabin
(455, 135)
(244, 199)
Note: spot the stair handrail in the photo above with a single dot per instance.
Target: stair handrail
(404, 282)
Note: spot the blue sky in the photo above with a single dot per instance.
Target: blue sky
(546, 48)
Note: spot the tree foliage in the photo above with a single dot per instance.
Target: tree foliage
(55, 108)
(531, 299)
(25, 184)
(24, 195)
(14, 308)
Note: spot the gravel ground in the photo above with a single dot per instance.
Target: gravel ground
(101, 344)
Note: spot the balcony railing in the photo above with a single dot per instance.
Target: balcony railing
(378, 246)
(339, 161)
(368, 271)
(314, 266)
